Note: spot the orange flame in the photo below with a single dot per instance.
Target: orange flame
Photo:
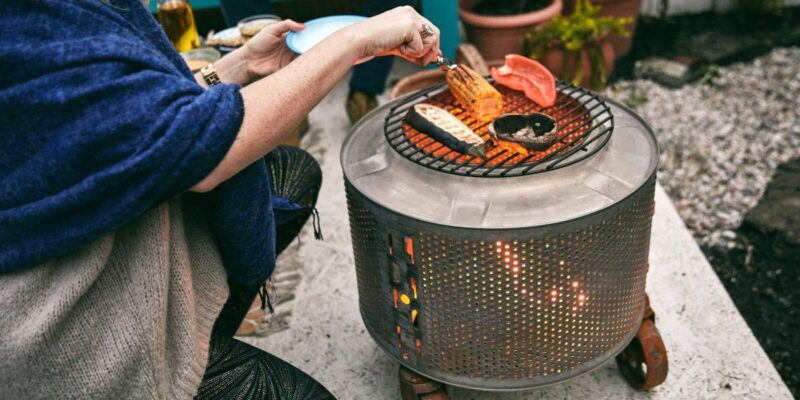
(410, 248)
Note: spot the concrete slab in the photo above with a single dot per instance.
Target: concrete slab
(713, 354)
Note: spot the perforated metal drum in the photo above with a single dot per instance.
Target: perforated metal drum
(503, 282)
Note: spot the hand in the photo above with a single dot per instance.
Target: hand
(399, 32)
(267, 52)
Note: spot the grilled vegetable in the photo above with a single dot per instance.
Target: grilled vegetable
(534, 131)
(439, 124)
(475, 94)
(522, 73)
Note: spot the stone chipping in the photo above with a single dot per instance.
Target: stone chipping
(722, 137)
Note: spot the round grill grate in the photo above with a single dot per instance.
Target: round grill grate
(584, 126)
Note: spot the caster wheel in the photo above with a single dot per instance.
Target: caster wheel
(644, 362)
(416, 387)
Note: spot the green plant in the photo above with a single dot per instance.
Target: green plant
(581, 30)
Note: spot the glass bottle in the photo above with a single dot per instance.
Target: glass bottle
(177, 20)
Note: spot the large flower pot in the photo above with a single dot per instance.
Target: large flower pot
(496, 36)
(553, 59)
(615, 8)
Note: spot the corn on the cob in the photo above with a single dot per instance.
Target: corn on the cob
(475, 94)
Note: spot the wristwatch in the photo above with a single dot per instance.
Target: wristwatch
(210, 75)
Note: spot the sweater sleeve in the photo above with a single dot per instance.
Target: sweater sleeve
(98, 126)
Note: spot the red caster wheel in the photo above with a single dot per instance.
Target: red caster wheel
(644, 362)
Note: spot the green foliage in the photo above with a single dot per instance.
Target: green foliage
(579, 31)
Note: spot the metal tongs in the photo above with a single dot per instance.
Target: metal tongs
(446, 65)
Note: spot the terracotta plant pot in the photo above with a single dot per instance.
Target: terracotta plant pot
(496, 36)
(553, 59)
(417, 81)
(615, 8)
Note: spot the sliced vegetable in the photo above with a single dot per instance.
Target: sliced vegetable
(439, 124)
(529, 76)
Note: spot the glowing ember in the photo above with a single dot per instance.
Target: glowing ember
(410, 249)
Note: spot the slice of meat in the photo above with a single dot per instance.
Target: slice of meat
(525, 74)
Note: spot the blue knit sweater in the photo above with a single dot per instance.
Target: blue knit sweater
(101, 120)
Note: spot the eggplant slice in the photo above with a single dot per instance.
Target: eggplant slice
(534, 131)
(439, 124)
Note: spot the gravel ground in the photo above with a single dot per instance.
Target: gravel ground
(722, 137)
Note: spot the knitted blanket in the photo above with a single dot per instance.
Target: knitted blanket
(100, 121)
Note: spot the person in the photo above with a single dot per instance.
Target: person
(142, 206)
(368, 79)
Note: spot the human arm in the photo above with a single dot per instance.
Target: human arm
(277, 103)
(261, 56)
